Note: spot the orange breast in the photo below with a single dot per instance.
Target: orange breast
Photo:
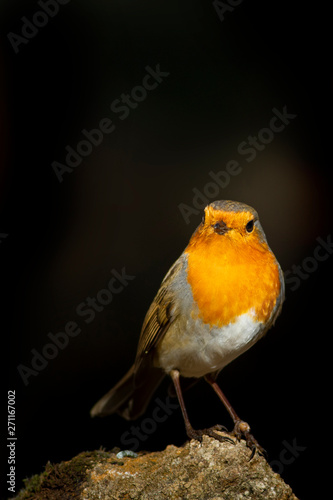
(230, 277)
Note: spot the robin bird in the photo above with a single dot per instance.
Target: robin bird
(221, 296)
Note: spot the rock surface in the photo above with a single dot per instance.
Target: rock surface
(210, 470)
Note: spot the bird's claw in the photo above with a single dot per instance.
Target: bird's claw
(243, 429)
(211, 431)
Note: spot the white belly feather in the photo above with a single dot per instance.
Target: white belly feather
(201, 349)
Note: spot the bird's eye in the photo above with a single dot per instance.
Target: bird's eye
(249, 226)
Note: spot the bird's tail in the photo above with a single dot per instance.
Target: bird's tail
(126, 398)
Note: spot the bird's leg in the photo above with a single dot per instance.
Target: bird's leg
(241, 428)
(193, 433)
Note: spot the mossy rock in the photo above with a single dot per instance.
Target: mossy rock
(210, 470)
(63, 480)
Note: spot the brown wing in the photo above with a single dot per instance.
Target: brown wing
(160, 315)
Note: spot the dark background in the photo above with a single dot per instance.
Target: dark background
(119, 208)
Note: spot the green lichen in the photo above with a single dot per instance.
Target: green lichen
(64, 480)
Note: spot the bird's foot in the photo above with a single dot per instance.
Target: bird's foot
(243, 429)
(211, 431)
